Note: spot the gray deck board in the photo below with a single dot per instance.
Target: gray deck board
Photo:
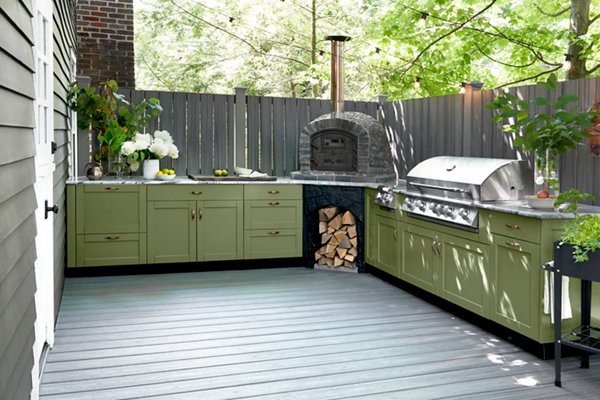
(290, 333)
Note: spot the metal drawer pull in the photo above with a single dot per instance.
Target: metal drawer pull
(196, 193)
(112, 237)
(514, 244)
(273, 191)
(513, 226)
(273, 232)
(274, 203)
(199, 214)
(439, 248)
(193, 213)
(112, 188)
(434, 247)
(395, 234)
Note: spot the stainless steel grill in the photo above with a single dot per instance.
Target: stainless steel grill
(446, 189)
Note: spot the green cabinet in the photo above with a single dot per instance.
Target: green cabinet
(421, 261)
(386, 241)
(195, 230)
(370, 237)
(272, 221)
(106, 225)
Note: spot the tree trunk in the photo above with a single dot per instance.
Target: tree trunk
(579, 24)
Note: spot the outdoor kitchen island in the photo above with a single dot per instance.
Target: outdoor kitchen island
(493, 272)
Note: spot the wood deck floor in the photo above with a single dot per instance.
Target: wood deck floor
(290, 333)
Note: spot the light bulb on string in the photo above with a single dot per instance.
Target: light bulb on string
(417, 83)
(423, 20)
(463, 88)
(567, 64)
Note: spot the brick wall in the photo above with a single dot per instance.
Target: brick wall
(105, 41)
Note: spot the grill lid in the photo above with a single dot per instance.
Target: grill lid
(471, 178)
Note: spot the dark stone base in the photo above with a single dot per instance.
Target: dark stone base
(320, 196)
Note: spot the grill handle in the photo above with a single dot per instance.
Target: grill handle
(448, 189)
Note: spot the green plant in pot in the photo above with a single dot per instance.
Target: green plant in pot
(109, 116)
(545, 134)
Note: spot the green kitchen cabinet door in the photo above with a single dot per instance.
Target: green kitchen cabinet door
(370, 234)
(220, 230)
(466, 279)
(171, 231)
(386, 245)
(421, 257)
(516, 278)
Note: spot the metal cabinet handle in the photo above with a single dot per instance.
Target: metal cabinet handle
(199, 214)
(513, 226)
(395, 234)
(111, 188)
(434, 247)
(513, 244)
(273, 232)
(274, 203)
(196, 193)
(193, 214)
(273, 191)
(112, 237)
(439, 248)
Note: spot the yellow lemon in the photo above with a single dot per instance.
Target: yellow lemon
(159, 173)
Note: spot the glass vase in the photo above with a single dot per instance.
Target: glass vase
(546, 172)
(116, 165)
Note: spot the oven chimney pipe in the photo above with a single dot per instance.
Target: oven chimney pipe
(337, 71)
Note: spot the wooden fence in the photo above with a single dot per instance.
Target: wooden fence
(220, 131)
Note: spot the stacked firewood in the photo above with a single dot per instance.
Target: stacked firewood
(339, 238)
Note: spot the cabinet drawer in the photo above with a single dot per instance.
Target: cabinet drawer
(266, 214)
(110, 208)
(272, 243)
(195, 192)
(515, 226)
(270, 191)
(111, 249)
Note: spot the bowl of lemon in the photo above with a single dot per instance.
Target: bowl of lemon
(165, 174)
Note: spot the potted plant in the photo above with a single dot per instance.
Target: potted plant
(575, 252)
(149, 149)
(547, 134)
(110, 117)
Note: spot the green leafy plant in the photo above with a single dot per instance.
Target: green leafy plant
(109, 115)
(583, 232)
(561, 129)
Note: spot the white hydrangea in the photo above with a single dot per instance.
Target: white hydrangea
(128, 148)
(173, 152)
(165, 136)
(142, 141)
(134, 165)
(159, 148)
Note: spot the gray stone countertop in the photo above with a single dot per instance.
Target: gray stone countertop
(184, 180)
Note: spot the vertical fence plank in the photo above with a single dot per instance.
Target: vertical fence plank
(206, 134)
(193, 134)
(253, 132)
(266, 135)
(240, 126)
(278, 136)
(476, 139)
(314, 109)
(179, 132)
(230, 132)
(291, 136)
(220, 132)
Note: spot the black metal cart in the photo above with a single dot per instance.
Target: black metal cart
(585, 337)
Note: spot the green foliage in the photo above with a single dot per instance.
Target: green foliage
(560, 129)
(108, 114)
(583, 232)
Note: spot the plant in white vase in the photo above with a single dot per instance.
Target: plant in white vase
(144, 147)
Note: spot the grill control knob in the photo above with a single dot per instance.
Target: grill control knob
(464, 213)
(410, 203)
(421, 204)
(450, 212)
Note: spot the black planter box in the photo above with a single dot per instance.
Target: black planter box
(563, 260)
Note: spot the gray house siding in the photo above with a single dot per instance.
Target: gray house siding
(64, 40)
(17, 200)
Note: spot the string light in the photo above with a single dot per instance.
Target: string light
(463, 88)
(377, 50)
(417, 82)
(567, 64)
(231, 19)
(423, 20)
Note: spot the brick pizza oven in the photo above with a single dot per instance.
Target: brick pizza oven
(341, 145)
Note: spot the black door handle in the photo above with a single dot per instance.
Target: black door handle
(48, 209)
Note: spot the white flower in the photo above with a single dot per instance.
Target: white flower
(142, 141)
(128, 148)
(134, 166)
(165, 136)
(159, 148)
(172, 151)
